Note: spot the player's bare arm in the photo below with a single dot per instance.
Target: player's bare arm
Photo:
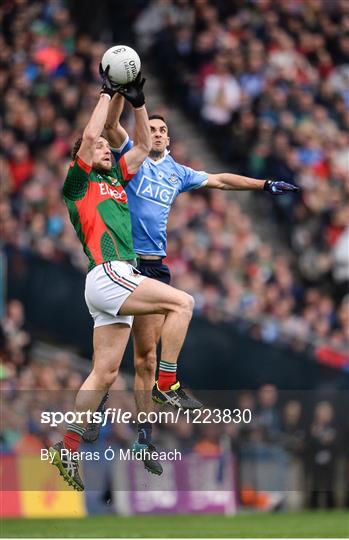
(229, 181)
(138, 153)
(97, 120)
(93, 129)
(115, 133)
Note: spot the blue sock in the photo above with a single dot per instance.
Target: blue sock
(144, 433)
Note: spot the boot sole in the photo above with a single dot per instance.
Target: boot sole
(56, 461)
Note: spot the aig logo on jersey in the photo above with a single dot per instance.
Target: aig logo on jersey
(157, 192)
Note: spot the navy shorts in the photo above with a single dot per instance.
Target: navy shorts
(154, 269)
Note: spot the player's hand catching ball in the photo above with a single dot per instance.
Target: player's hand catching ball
(107, 86)
(279, 188)
(133, 91)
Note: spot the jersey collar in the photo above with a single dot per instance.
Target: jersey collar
(160, 160)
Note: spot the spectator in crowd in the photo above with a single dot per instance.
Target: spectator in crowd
(221, 96)
(16, 337)
(208, 443)
(322, 452)
(293, 432)
(267, 414)
(293, 441)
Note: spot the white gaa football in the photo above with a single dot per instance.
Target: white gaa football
(124, 64)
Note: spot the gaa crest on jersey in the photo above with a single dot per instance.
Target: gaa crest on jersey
(173, 179)
(113, 181)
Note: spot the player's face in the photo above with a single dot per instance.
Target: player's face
(102, 155)
(159, 135)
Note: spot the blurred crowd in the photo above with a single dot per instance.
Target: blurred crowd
(269, 82)
(274, 99)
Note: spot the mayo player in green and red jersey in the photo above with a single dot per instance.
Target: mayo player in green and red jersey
(115, 292)
(98, 208)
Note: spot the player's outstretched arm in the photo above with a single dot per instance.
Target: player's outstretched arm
(229, 181)
(96, 123)
(134, 94)
(115, 133)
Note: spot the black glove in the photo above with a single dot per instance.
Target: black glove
(107, 87)
(133, 91)
(279, 188)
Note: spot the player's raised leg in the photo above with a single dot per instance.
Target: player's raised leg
(154, 297)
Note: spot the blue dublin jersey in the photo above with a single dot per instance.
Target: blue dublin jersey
(151, 193)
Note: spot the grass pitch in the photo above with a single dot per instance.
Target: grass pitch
(318, 524)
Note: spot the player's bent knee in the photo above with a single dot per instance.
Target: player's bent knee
(186, 304)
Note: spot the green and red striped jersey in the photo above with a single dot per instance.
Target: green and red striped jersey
(98, 209)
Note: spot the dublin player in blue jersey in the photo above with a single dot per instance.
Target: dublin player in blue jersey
(150, 194)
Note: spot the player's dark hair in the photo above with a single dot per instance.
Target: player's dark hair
(76, 148)
(157, 117)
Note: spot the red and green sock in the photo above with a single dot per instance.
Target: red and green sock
(167, 375)
(73, 436)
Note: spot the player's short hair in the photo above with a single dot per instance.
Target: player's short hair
(157, 117)
(76, 148)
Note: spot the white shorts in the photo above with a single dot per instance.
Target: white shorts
(107, 287)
